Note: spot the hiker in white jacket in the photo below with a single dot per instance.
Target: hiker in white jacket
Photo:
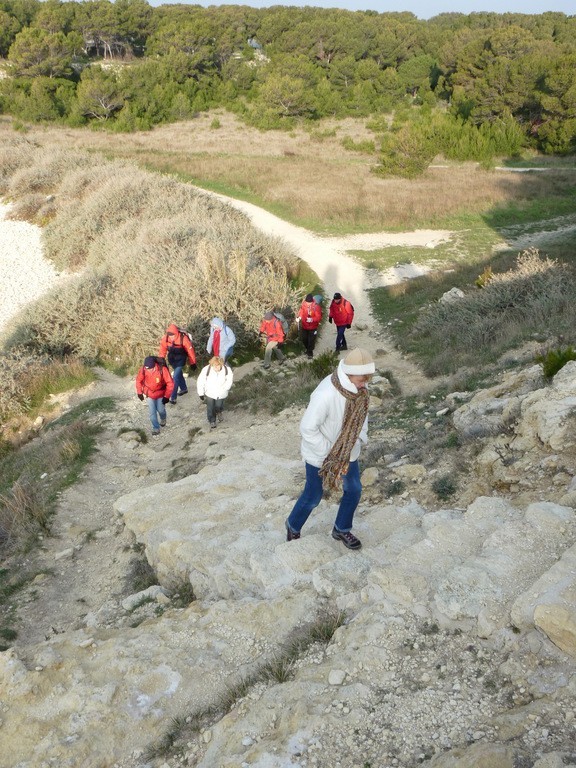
(333, 428)
(213, 385)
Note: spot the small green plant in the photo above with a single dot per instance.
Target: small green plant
(453, 440)
(444, 487)
(141, 574)
(555, 359)
(215, 124)
(142, 436)
(483, 279)
(366, 146)
(394, 488)
(183, 595)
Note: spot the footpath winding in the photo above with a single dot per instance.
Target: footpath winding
(25, 275)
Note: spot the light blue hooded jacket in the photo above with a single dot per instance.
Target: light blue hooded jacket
(227, 338)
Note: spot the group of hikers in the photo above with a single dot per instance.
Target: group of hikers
(334, 425)
(160, 387)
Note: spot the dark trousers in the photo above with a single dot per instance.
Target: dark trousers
(340, 339)
(308, 338)
(213, 408)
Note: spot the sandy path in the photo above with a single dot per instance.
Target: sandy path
(25, 274)
(337, 271)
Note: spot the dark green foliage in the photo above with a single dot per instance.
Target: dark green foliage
(444, 487)
(508, 82)
(555, 359)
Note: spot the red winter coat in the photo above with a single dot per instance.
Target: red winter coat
(177, 347)
(272, 329)
(342, 313)
(154, 382)
(310, 315)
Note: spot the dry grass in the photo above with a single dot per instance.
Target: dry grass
(308, 175)
(149, 251)
(534, 297)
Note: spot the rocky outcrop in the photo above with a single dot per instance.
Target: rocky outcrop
(457, 647)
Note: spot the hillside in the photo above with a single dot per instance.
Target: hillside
(457, 633)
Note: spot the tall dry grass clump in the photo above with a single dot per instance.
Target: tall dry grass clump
(148, 251)
(536, 296)
(16, 153)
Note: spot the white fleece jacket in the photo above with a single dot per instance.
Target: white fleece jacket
(213, 383)
(322, 421)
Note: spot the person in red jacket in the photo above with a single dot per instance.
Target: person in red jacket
(341, 313)
(273, 333)
(154, 383)
(177, 348)
(309, 317)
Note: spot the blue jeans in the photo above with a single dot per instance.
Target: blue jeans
(311, 496)
(179, 382)
(156, 408)
(213, 408)
(340, 340)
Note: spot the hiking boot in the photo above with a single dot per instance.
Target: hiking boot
(290, 534)
(220, 417)
(347, 538)
(281, 362)
(155, 431)
(163, 423)
(183, 393)
(265, 365)
(172, 402)
(212, 425)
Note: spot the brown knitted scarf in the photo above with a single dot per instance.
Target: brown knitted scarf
(335, 465)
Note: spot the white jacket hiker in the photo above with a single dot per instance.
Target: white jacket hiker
(213, 385)
(322, 421)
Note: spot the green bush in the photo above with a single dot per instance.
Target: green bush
(444, 487)
(555, 359)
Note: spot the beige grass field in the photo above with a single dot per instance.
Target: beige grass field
(307, 177)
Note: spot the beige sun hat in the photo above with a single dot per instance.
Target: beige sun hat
(358, 362)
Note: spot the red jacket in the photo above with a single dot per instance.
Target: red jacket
(154, 382)
(272, 329)
(177, 347)
(310, 315)
(342, 312)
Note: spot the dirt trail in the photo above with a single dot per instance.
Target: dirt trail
(88, 555)
(328, 257)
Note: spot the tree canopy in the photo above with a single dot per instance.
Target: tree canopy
(276, 65)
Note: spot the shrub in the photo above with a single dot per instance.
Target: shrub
(535, 295)
(483, 279)
(151, 251)
(444, 487)
(555, 359)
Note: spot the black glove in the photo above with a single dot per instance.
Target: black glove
(202, 398)
(348, 326)
(193, 367)
(140, 396)
(165, 400)
(329, 319)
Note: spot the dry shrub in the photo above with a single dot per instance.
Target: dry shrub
(536, 296)
(46, 172)
(15, 153)
(34, 207)
(21, 514)
(152, 251)
(14, 399)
